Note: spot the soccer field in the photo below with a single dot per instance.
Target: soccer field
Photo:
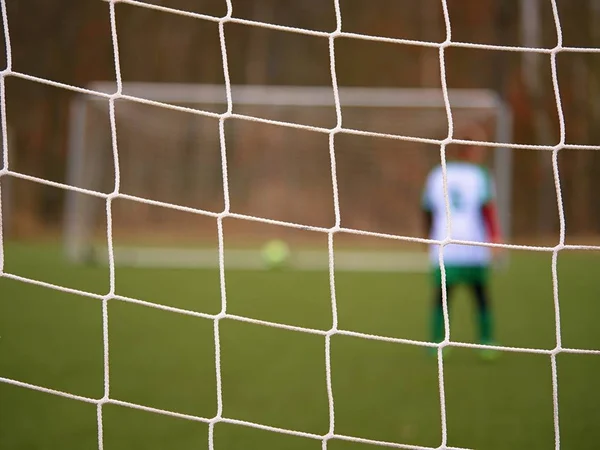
(382, 391)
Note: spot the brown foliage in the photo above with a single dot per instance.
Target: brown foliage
(71, 42)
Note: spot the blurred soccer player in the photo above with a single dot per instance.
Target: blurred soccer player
(473, 215)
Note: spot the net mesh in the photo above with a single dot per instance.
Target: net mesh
(274, 172)
(331, 133)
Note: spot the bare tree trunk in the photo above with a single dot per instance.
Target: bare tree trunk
(544, 135)
(500, 23)
(258, 49)
(582, 186)
(429, 60)
(594, 113)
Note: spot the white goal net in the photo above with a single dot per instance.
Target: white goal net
(279, 145)
(297, 158)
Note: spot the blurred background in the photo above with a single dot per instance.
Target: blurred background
(70, 42)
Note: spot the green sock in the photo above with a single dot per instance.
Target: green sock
(485, 326)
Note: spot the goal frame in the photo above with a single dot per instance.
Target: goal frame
(74, 234)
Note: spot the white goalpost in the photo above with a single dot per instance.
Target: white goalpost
(153, 132)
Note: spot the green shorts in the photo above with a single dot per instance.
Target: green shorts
(461, 275)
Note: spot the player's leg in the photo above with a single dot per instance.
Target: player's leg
(484, 312)
(485, 320)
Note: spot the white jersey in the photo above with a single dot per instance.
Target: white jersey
(469, 188)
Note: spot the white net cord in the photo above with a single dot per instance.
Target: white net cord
(111, 296)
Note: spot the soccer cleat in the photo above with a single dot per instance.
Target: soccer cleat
(487, 353)
(433, 351)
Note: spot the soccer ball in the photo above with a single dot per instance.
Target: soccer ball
(275, 254)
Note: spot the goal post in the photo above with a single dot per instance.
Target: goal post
(169, 152)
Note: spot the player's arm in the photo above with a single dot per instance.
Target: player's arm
(489, 211)
(492, 223)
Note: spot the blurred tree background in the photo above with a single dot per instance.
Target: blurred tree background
(69, 41)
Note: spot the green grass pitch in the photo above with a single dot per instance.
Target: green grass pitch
(382, 391)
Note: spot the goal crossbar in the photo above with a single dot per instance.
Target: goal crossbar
(304, 95)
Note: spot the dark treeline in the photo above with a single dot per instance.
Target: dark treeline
(70, 41)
